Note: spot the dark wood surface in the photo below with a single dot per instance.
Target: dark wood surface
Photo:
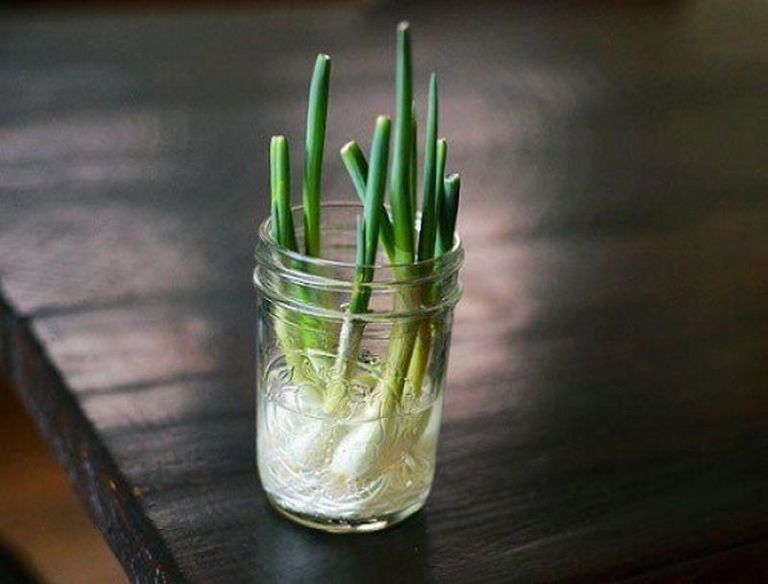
(607, 407)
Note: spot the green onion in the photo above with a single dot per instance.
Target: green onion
(427, 232)
(428, 227)
(451, 188)
(449, 206)
(374, 199)
(450, 211)
(317, 113)
(413, 170)
(357, 167)
(291, 332)
(274, 228)
(367, 236)
(402, 214)
(442, 154)
(359, 249)
(410, 341)
(281, 193)
(403, 334)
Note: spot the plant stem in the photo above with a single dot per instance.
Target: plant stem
(283, 233)
(428, 230)
(375, 187)
(403, 334)
(410, 341)
(317, 113)
(399, 350)
(442, 154)
(282, 176)
(274, 229)
(367, 241)
(357, 167)
(402, 214)
(421, 351)
(413, 170)
(449, 213)
(428, 223)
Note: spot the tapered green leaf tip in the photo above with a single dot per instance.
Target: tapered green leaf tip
(383, 120)
(347, 147)
(403, 26)
(323, 64)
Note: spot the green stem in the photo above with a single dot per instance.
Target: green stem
(449, 212)
(357, 167)
(274, 228)
(283, 233)
(282, 195)
(402, 339)
(367, 240)
(434, 165)
(403, 335)
(317, 113)
(450, 208)
(414, 161)
(402, 214)
(428, 223)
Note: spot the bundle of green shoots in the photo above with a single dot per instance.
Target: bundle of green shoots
(410, 342)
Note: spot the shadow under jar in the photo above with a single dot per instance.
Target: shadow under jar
(349, 405)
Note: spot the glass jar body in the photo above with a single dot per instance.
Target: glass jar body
(349, 404)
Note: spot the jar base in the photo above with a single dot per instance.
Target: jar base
(345, 525)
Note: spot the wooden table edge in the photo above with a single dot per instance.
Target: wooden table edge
(95, 477)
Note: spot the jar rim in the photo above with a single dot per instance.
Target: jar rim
(265, 238)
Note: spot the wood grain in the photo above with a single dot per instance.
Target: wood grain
(606, 409)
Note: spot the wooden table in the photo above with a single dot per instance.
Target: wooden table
(607, 407)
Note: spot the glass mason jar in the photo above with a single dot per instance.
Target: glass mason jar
(349, 405)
